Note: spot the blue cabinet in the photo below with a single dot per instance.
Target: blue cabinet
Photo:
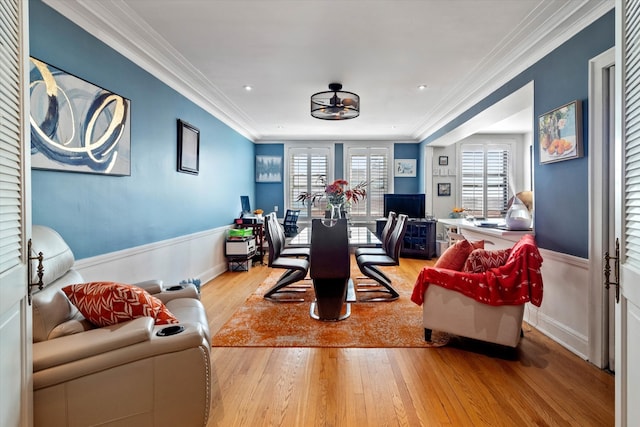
(419, 239)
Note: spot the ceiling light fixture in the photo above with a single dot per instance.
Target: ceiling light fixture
(248, 88)
(335, 104)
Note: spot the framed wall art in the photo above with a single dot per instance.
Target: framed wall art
(560, 133)
(77, 126)
(188, 148)
(444, 189)
(405, 167)
(443, 161)
(268, 168)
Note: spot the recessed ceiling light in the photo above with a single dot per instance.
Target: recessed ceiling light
(422, 87)
(248, 88)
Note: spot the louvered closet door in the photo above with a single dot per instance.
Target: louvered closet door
(15, 318)
(627, 194)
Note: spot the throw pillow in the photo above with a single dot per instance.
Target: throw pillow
(455, 256)
(480, 260)
(108, 303)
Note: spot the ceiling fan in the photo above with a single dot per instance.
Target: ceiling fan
(335, 104)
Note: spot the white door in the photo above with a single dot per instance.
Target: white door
(15, 313)
(627, 200)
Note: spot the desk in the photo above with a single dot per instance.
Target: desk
(499, 237)
(358, 236)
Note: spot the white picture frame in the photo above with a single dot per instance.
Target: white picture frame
(268, 168)
(404, 167)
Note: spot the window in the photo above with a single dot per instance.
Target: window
(485, 170)
(307, 168)
(371, 165)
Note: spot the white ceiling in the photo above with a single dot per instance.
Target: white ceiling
(382, 50)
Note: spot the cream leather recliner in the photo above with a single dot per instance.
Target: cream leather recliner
(119, 375)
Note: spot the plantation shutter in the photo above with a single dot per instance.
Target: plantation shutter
(472, 190)
(10, 136)
(370, 165)
(485, 179)
(307, 172)
(379, 181)
(497, 182)
(358, 173)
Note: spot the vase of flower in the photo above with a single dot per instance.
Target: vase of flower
(339, 195)
(336, 210)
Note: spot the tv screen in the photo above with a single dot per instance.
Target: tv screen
(410, 204)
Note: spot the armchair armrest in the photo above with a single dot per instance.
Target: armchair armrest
(187, 290)
(152, 286)
(90, 343)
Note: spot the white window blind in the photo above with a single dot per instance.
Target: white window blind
(307, 170)
(10, 137)
(484, 185)
(631, 89)
(371, 165)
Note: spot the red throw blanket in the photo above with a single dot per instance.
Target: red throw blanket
(516, 282)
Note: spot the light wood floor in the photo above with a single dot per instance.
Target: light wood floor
(465, 383)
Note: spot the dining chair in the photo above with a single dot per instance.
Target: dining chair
(295, 268)
(384, 238)
(285, 251)
(369, 264)
(291, 222)
(330, 269)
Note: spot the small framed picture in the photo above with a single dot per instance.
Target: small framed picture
(188, 148)
(405, 167)
(560, 133)
(443, 161)
(268, 168)
(444, 189)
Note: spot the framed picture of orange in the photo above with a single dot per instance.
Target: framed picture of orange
(560, 133)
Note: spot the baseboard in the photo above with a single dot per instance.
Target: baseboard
(570, 339)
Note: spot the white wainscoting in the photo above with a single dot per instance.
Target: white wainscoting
(199, 256)
(564, 314)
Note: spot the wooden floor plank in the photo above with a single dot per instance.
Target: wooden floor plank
(465, 383)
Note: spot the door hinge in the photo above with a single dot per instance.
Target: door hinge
(616, 270)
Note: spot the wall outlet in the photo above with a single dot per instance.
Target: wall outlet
(275, 208)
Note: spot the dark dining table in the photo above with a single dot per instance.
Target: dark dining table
(358, 237)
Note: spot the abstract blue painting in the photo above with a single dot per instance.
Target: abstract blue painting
(77, 126)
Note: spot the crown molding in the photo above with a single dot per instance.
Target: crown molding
(119, 27)
(545, 31)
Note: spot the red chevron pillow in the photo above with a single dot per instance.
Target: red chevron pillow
(108, 303)
(480, 260)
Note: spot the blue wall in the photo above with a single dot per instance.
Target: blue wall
(561, 189)
(407, 185)
(98, 214)
(270, 194)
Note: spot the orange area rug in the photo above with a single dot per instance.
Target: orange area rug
(263, 323)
